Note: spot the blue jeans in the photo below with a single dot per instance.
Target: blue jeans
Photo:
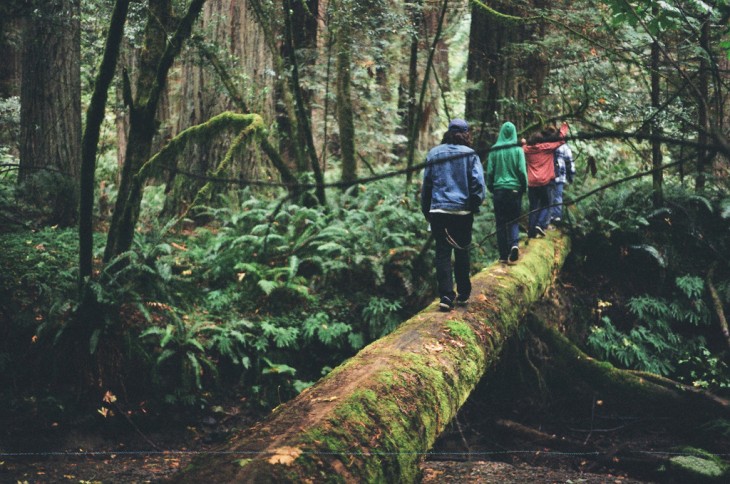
(459, 228)
(557, 200)
(539, 198)
(507, 205)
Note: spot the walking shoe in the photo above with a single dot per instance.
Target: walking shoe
(462, 299)
(539, 231)
(446, 304)
(514, 254)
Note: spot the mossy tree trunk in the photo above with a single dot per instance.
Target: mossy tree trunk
(373, 417)
(157, 57)
(616, 387)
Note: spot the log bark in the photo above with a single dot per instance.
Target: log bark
(373, 418)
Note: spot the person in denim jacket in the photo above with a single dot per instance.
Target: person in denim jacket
(452, 191)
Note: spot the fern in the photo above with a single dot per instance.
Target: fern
(654, 343)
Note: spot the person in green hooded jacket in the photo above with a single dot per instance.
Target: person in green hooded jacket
(507, 181)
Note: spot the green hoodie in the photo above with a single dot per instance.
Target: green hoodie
(506, 167)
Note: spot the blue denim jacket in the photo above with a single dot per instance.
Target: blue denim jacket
(453, 185)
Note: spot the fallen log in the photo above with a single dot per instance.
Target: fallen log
(374, 417)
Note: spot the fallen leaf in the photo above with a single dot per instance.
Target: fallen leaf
(285, 455)
(434, 347)
(109, 397)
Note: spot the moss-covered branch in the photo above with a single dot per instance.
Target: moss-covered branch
(226, 121)
(373, 417)
(653, 393)
(503, 16)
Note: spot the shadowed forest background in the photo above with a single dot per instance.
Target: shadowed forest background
(206, 206)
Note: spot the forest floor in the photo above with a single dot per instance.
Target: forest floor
(510, 430)
(488, 450)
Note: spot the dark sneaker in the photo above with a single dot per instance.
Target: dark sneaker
(514, 254)
(446, 304)
(462, 299)
(540, 231)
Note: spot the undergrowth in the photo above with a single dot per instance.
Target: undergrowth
(259, 304)
(657, 315)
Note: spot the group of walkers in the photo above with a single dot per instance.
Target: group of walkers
(454, 188)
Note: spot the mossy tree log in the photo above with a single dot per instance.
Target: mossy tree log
(373, 417)
(616, 387)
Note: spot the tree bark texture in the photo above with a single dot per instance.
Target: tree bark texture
(232, 34)
(373, 417)
(10, 33)
(345, 118)
(156, 60)
(500, 71)
(50, 115)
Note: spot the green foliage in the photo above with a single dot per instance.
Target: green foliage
(658, 339)
(381, 315)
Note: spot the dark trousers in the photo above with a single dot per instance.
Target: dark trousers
(458, 227)
(539, 198)
(507, 205)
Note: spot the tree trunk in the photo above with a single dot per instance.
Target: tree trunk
(656, 146)
(233, 48)
(10, 32)
(50, 117)
(501, 72)
(422, 111)
(345, 118)
(303, 114)
(373, 417)
(157, 57)
(702, 107)
(94, 118)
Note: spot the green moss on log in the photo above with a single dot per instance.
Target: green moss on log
(373, 418)
(697, 469)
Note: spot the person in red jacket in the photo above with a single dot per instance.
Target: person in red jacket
(539, 154)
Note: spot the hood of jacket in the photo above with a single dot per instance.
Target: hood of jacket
(507, 135)
(506, 162)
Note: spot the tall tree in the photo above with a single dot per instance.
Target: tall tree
(10, 32)
(226, 68)
(656, 146)
(94, 118)
(498, 70)
(50, 132)
(419, 112)
(303, 113)
(345, 118)
(156, 59)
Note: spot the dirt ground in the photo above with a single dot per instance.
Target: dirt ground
(476, 448)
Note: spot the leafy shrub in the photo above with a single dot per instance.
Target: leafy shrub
(661, 338)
